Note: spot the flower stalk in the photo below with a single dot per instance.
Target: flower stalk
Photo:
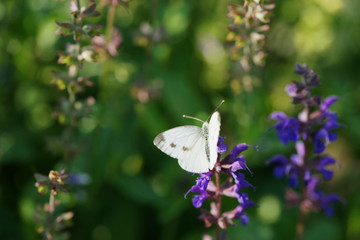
(69, 113)
(312, 131)
(206, 189)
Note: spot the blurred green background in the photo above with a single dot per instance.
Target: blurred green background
(136, 191)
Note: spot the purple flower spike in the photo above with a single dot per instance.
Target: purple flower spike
(235, 181)
(312, 130)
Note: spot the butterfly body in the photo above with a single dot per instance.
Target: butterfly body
(194, 147)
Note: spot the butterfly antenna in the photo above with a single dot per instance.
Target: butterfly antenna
(185, 116)
(222, 101)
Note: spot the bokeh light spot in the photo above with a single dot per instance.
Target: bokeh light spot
(6, 142)
(332, 6)
(87, 125)
(14, 46)
(40, 116)
(176, 19)
(269, 210)
(133, 164)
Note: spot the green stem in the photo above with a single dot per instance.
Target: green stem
(110, 22)
(108, 35)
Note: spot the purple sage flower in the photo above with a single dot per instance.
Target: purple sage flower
(312, 129)
(206, 189)
(200, 187)
(288, 129)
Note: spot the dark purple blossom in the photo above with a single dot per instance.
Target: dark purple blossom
(292, 90)
(222, 147)
(79, 179)
(207, 189)
(321, 167)
(288, 129)
(280, 163)
(324, 135)
(200, 187)
(232, 162)
(326, 104)
(289, 168)
(324, 202)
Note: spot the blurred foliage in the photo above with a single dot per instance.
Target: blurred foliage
(180, 67)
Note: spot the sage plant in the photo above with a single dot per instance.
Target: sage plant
(86, 47)
(248, 26)
(213, 190)
(311, 131)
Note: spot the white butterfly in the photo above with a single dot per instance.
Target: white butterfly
(194, 147)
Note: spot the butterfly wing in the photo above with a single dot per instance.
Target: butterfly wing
(213, 137)
(187, 144)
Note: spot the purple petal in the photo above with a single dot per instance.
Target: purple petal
(201, 183)
(319, 146)
(278, 159)
(291, 90)
(332, 137)
(322, 134)
(311, 189)
(281, 163)
(332, 198)
(328, 102)
(293, 180)
(326, 203)
(240, 181)
(300, 148)
(324, 162)
(297, 160)
(307, 177)
(244, 219)
(222, 147)
(280, 116)
(199, 199)
(240, 163)
(327, 174)
(237, 150)
(279, 171)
